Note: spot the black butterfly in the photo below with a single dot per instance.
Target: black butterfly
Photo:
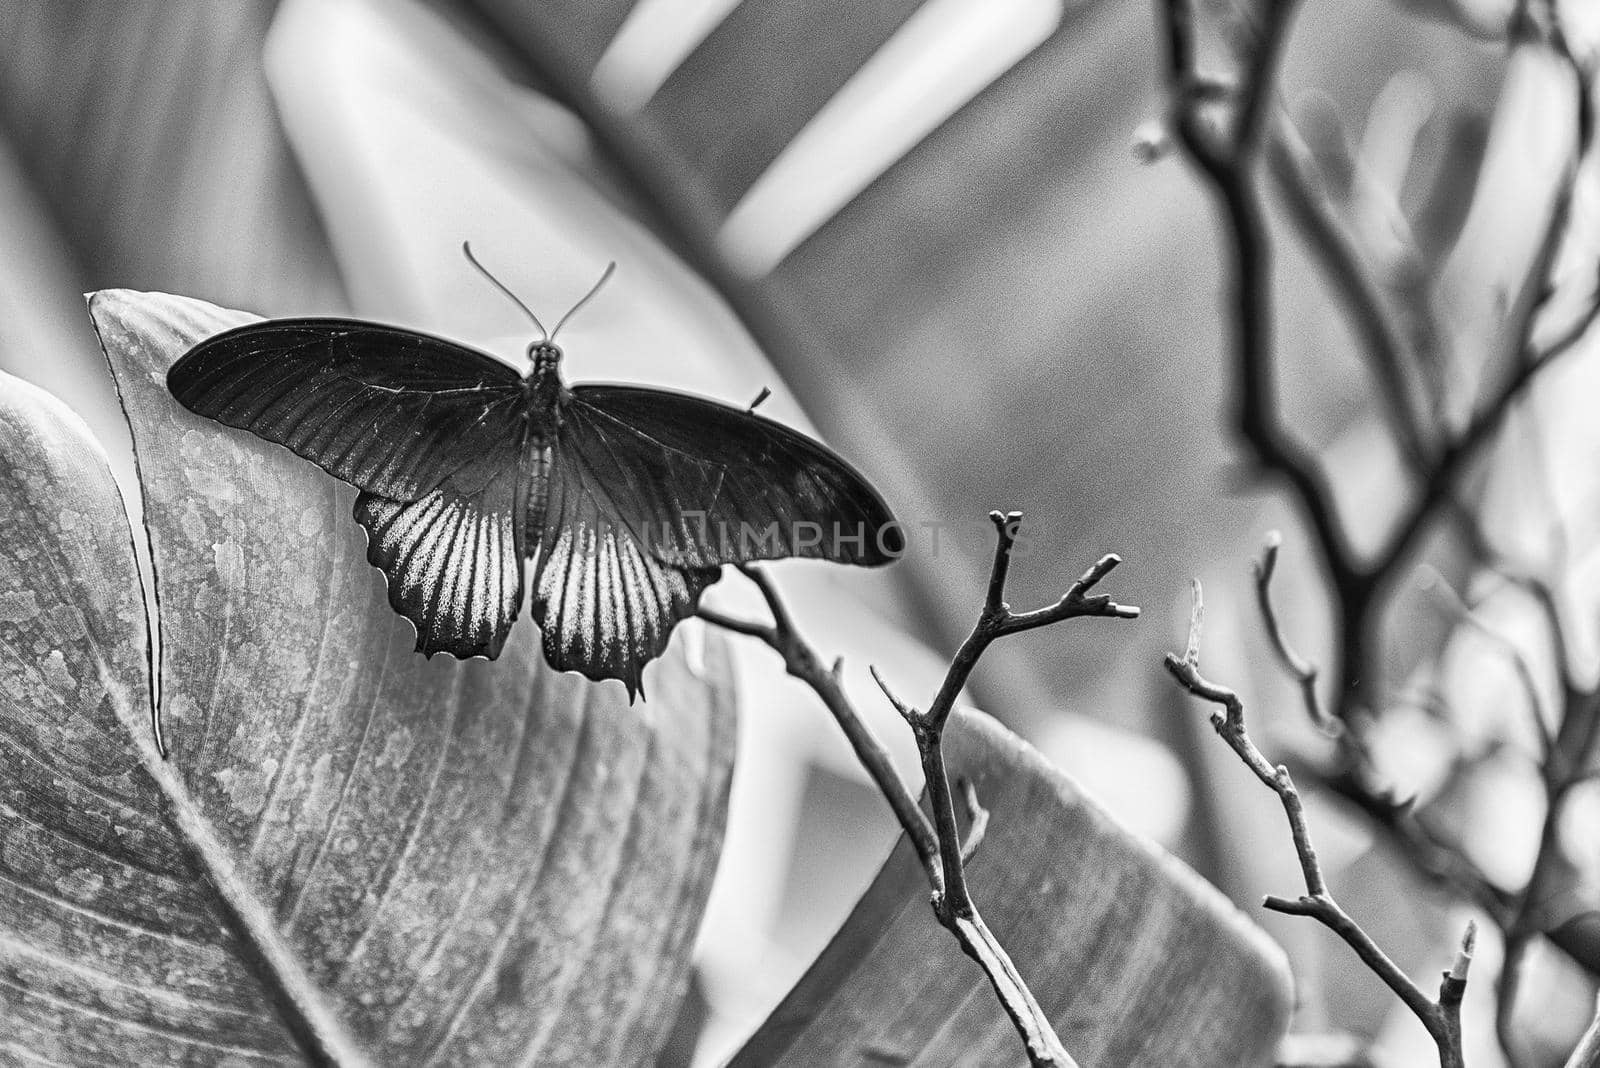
(629, 499)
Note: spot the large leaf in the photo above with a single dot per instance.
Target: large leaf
(104, 915)
(1136, 959)
(351, 848)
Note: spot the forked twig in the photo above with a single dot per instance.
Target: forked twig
(1303, 671)
(802, 661)
(1442, 1017)
(941, 846)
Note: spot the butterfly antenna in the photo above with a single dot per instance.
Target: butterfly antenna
(466, 250)
(587, 297)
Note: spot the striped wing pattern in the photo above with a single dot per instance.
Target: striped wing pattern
(453, 561)
(605, 605)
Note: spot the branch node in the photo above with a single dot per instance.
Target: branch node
(1299, 906)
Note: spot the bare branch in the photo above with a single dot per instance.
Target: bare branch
(956, 900)
(1228, 169)
(952, 899)
(801, 661)
(1317, 902)
(1299, 668)
(738, 626)
(1528, 360)
(997, 619)
(941, 847)
(1447, 598)
(1334, 249)
(1440, 481)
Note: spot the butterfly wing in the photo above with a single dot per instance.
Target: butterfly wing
(650, 492)
(453, 559)
(704, 484)
(605, 605)
(430, 431)
(390, 411)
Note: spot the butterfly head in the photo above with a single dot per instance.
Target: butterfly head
(544, 357)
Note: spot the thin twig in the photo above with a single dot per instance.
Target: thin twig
(997, 620)
(1302, 670)
(802, 661)
(1440, 480)
(957, 899)
(941, 847)
(1441, 1017)
(1451, 601)
(955, 908)
(1334, 248)
(1528, 359)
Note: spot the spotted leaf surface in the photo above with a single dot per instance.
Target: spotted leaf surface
(353, 853)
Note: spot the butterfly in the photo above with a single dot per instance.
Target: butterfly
(627, 499)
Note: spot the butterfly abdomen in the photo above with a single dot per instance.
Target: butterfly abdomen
(536, 483)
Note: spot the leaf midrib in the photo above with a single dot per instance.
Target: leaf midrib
(301, 1003)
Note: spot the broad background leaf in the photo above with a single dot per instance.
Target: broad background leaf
(1135, 958)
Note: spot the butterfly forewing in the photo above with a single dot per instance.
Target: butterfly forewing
(390, 411)
(703, 484)
(431, 432)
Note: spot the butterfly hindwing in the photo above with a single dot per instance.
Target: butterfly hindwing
(390, 411)
(605, 605)
(649, 492)
(453, 561)
(705, 484)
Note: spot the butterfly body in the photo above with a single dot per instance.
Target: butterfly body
(628, 499)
